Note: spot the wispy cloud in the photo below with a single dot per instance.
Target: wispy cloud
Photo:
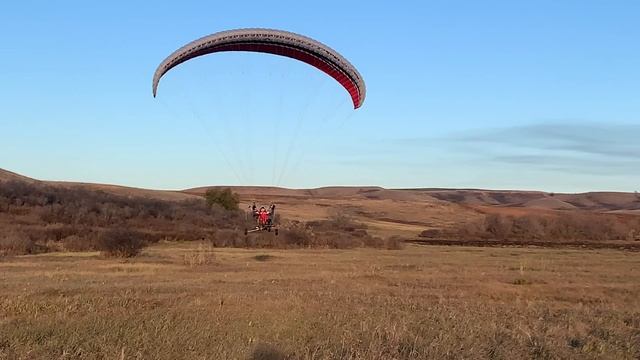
(609, 140)
(588, 148)
(568, 147)
(572, 164)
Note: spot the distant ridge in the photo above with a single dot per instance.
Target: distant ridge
(6, 175)
(479, 199)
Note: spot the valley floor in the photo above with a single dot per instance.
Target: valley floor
(188, 300)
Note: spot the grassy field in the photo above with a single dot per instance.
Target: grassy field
(187, 300)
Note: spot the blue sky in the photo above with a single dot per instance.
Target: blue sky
(487, 94)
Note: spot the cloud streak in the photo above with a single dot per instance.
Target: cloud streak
(565, 147)
(616, 141)
(588, 148)
(563, 163)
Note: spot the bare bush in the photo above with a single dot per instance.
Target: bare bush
(557, 227)
(227, 238)
(431, 233)
(75, 206)
(186, 232)
(500, 227)
(339, 221)
(58, 233)
(395, 243)
(335, 240)
(296, 235)
(73, 217)
(120, 243)
(52, 214)
(341, 231)
(528, 227)
(79, 243)
(372, 242)
(16, 243)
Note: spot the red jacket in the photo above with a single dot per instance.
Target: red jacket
(263, 216)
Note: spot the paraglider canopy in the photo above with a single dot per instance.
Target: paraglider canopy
(275, 42)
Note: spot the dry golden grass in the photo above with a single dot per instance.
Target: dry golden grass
(383, 217)
(416, 303)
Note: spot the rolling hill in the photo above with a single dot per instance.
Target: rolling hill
(390, 211)
(6, 175)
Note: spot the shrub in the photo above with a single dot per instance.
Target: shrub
(58, 233)
(16, 243)
(185, 232)
(465, 230)
(79, 243)
(224, 198)
(226, 238)
(344, 222)
(120, 242)
(574, 226)
(296, 235)
(431, 233)
(500, 227)
(239, 241)
(395, 243)
(345, 241)
(372, 242)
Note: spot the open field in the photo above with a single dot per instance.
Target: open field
(578, 298)
(187, 300)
